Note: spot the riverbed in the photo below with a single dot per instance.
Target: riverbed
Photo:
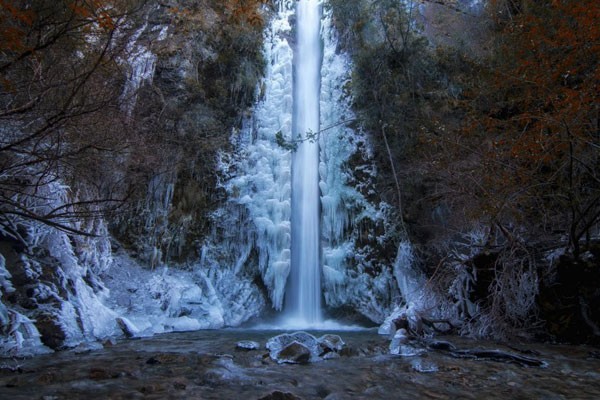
(207, 365)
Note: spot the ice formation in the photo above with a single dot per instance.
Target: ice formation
(258, 179)
(90, 293)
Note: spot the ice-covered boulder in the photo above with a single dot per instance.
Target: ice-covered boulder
(388, 327)
(276, 346)
(331, 343)
(302, 347)
(400, 345)
(247, 345)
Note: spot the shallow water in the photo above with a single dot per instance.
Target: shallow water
(206, 365)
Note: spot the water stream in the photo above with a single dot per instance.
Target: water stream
(206, 365)
(303, 297)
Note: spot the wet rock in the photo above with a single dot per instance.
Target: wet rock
(294, 353)
(152, 361)
(441, 345)
(348, 352)
(98, 374)
(47, 378)
(151, 388)
(179, 385)
(401, 322)
(594, 354)
(278, 395)
(322, 391)
(247, 345)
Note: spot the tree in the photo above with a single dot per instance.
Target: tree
(60, 114)
(544, 132)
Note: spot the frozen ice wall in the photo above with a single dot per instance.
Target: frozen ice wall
(353, 219)
(256, 221)
(54, 286)
(253, 230)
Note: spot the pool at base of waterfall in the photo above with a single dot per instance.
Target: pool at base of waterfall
(209, 365)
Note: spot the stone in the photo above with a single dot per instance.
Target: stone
(247, 345)
(278, 395)
(152, 361)
(276, 344)
(331, 355)
(294, 353)
(399, 344)
(331, 343)
(128, 328)
(51, 332)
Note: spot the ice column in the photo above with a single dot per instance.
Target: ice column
(303, 298)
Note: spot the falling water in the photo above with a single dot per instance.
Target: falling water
(303, 301)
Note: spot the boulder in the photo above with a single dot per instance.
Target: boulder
(331, 343)
(400, 344)
(294, 353)
(302, 347)
(277, 344)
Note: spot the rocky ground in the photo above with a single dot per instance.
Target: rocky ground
(207, 365)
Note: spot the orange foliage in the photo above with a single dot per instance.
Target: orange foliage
(544, 129)
(245, 11)
(14, 22)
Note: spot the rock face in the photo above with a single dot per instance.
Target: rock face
(198, 67)
(51, 333)
(302, 347)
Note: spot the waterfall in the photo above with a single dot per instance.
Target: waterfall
(306, 224)
(303, 298)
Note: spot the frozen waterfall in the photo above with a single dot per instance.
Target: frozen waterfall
(303, 299)
(303, 227)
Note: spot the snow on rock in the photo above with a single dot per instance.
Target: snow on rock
(57, 298)
(169, 299)
(159, 301)
(67, 290)
(247, 345)
(331, 343)
(128, 327)
(301, 347)
(298, 347)
(417, 301)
